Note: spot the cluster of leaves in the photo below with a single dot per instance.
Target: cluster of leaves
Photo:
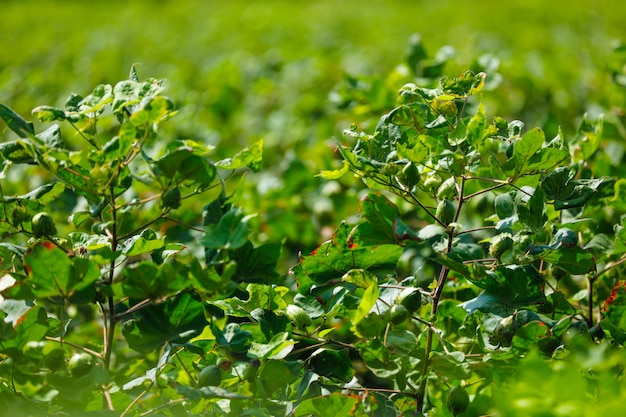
(507, 234)
(485, 256)
(81, 258)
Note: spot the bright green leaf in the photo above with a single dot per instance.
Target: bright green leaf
(251, 157)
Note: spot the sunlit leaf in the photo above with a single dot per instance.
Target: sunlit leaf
(251, 157)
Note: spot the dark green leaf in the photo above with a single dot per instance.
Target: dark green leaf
(559, 184)
(176, 320)
(16, 123)
(183, 166)
(332, 364)
(53, 274)
(506, 289)
(271, 323)
(334, 258)
(257, 264)
(582, 193)
(231, 232)
(232, 337)
(530, 207)
(277, 374)
(574, 260)
(149, 280)
(525, 148)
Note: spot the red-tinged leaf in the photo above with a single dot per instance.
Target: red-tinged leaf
(617, 298)
(336, 257)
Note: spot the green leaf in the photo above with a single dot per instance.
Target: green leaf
(270, 322)
(16, 123)
(333, 405)
(360, 277)
(476, 127)
(583, 191)
(378, 358)
(401, 341)
(149, 280)
(277, 348)
(251, 157)
(231, 232)
(232, 337)
(257, 264)
(336, 173)
(332, 364)
(384, 225)
(277, 374)
(417, 152)
(530, 207)
(590, 135)
(96, 102)
(31, 326)
(336, 257)
(559, 184)
(452, 365)
(618, 201)
(90, 242)
(197, 394)
(45, 194)
(464, 85)
(16, 152)
(181, 165)
(51, 137)
(370, 296)
(176, 320)
(53, 274)
(145, 242)
(525, 148)
(49, 114)
(546, 159)
(506, 289)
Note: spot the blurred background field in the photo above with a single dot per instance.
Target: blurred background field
(297, 73)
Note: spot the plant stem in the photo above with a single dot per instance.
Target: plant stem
(441, 282)
(421, 391)
(109, 311)
(590, 281)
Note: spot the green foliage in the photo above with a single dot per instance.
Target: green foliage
(481, 276)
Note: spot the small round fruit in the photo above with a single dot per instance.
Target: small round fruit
(211, 376)
(432, 182)
(409, 176)
(504, 205)
(80, 364)
(171, 198)
(457, 400)
(43, 225)
(298, 316)
(398, 314)
(19, 214)
(447, 189)
(500, 244)
(410, 298)
(446, 211)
